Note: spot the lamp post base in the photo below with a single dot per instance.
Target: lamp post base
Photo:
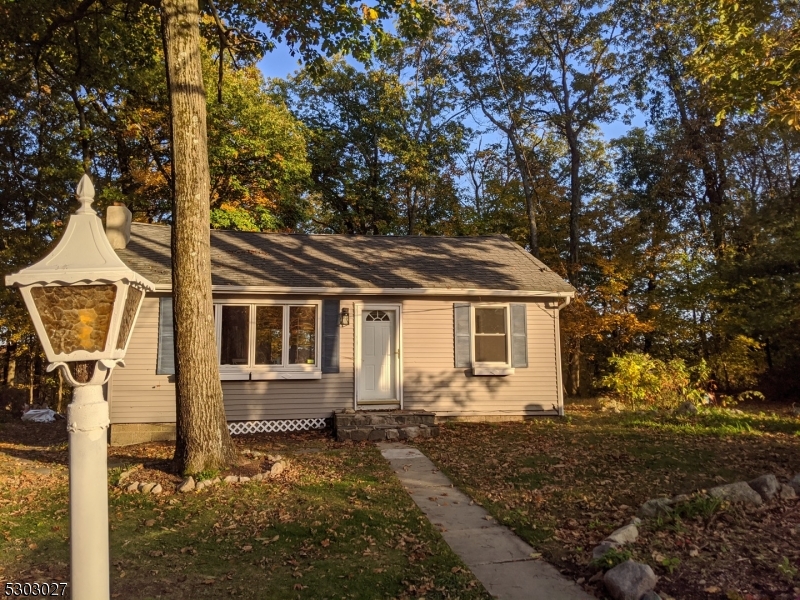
(87, 423)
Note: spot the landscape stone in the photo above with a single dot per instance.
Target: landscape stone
(392, 434)
(630, 580)
(258, 477)
(624, 535)
(636, 521)
(157, 489)
(256, 454)
(199, 486)
(214, 481)
(243, 479)
(787, 492)
(359, 435)
(277, 468)
(146, 488)
(376, 435)
(187, 485)
(133, 487)
(600, 550)
(736, 492)
(767, 486)
(795, 483)
(231, 479)
(655, 507)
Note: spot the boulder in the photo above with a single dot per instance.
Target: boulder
(767, 486)
(739, 492)
(258, 477)
(157, 489)
(392, 434)
(133, 486)
(199, 486)
(278, 468)
(600, 550)
(787, 492)
(655, 507)
(146, 488)
(409, 433)
(630, 580)
(243, 479)
(187, 485)
(624, 535)
(231, 479)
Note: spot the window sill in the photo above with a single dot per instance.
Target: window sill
(272, 375)
(493, 371)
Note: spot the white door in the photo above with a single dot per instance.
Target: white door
(378, 377)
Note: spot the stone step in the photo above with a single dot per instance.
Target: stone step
(395, 417)
(385, 432)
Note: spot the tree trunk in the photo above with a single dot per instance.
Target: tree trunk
(575, 202)
(203, 441)
(11, 364)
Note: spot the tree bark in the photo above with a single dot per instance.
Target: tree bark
(203, 441)
(575, 202)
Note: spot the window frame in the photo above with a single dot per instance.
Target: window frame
(495, 367)
(255, 372)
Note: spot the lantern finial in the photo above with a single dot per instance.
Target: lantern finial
(85, 195)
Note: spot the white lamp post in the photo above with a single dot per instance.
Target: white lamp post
(84, 302)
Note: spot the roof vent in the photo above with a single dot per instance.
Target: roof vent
(118, 226)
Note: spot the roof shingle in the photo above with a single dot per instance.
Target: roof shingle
(345, 261)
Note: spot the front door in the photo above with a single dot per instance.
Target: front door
(378, 373)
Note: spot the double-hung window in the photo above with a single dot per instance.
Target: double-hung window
(268, 341)
(491, 339)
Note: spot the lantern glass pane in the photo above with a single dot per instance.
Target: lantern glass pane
(128, 315)
(76, 317)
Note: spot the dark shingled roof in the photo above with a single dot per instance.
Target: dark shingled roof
(347, 261)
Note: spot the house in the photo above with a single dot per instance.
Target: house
(464, 327)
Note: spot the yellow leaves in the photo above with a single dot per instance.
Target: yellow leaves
(369, 14)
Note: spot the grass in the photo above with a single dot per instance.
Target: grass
(565, 484)
(337, 525)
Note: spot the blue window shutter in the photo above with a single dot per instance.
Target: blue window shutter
(165, 364)
(519, 335)
(461, 329)
(330, 335)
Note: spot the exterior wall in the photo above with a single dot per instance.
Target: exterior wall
(430, 381)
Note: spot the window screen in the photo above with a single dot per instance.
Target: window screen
(490, 335)
(269, 335)
(235, 335)
(302, 335)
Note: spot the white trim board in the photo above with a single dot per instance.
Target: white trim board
(343, 291)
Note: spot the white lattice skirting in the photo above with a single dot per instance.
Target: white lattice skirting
(241, 427)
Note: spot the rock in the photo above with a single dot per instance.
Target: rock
(256, 454)
(157, 489)
(133, 486)
(258, 477)
(277, 468)
(795, 483)
(214, 481)
(767, 486)
(231, 479)
(687, 408)
(600, 550)
(199, 486)
(680, 499)
(187, 485)
(636, 521)
(651, 595)
(409, 432)
(655, 507)
(360, 435)
(243, 479)
(274, 458)
(392, 434)
(630, 580)
(787, 492)
(736, 492)
(624, 535)
(146, 488)
(247, 451)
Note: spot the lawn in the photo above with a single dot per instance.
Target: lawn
(335, 524)
(564, 484)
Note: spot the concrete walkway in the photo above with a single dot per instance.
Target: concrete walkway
(498, 558)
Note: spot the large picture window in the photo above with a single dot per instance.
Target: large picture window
(268, 341)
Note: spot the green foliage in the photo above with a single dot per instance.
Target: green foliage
(786, 569)
(612, 558)
(697, 506)
(205, 474)
(639, 380)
